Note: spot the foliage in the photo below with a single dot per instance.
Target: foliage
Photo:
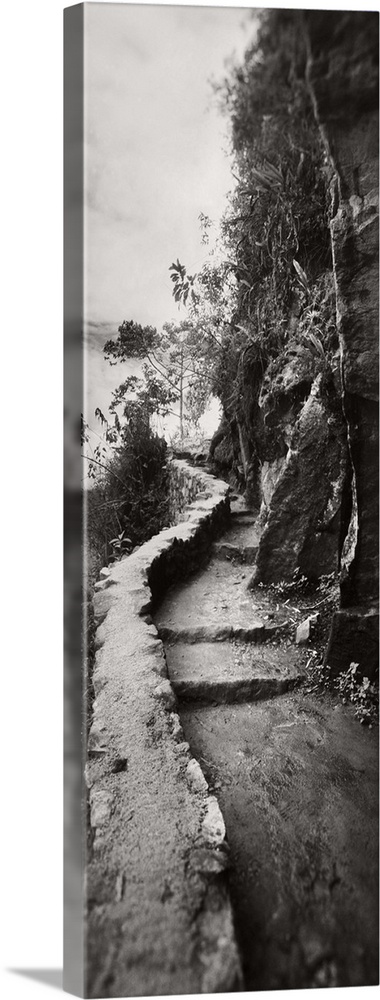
(128, 501)
(290, 588)
(359, 690)
(175, 371)
(183, 284)
(133, 341)
(316, 328)
(351, 686)
(311, 346)
(277, 226)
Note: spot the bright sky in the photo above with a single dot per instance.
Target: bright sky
(154, 149)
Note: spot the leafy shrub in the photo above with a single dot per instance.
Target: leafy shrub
(350, 685)
(128, 502)
(359, 690)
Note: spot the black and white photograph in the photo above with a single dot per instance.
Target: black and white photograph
(229, 495)
(229, 501)
(220, 399)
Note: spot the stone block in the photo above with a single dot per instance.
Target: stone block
(102, 585)
(354, 638)
(164, 692)
(101, 807)
(213, 827)
(303, 632)
(195, 777)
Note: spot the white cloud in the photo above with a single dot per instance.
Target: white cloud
(154, 143)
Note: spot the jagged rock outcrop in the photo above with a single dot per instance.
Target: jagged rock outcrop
(304, 514)
(343, 82)
(221, 447)
(227, 455)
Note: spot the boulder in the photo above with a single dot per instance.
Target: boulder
(303, 522)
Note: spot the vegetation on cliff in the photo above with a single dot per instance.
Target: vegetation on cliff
(265, 300)
(127, 503)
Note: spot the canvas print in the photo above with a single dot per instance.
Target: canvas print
(221, 311)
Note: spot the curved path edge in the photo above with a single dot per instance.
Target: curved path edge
(159, 918)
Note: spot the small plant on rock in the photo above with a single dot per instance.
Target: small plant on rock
(361, 692)
(120, 545)
(287, 588)
(350, 685)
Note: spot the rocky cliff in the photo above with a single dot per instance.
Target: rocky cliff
(305, 425)
(343, 80)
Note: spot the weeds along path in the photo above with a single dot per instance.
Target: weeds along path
(295, 774)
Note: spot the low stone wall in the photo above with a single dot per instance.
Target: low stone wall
(159, 916)
(186, 484)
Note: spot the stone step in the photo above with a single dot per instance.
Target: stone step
(257, 631)
(229, 550)
(215, 604)
(231, 672)
(244, 517)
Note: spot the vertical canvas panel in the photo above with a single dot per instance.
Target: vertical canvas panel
(74, 702)
(221, 530)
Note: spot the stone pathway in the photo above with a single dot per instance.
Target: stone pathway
(214, 628)
(295, 774)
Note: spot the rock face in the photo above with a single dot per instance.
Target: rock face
(343, 82)
(304, 516)
(318, 443)
(225, 457)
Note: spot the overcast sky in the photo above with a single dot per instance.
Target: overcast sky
(154, 146)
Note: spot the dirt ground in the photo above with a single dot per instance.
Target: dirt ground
(297, 781)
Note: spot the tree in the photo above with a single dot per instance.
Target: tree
(133, 341)
(173, 372)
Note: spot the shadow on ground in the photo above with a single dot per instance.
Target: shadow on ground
(50, 977)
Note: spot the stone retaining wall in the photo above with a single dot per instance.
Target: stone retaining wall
(159, 915)
(186, 484)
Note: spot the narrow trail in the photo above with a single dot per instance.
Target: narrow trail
(296, 776)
